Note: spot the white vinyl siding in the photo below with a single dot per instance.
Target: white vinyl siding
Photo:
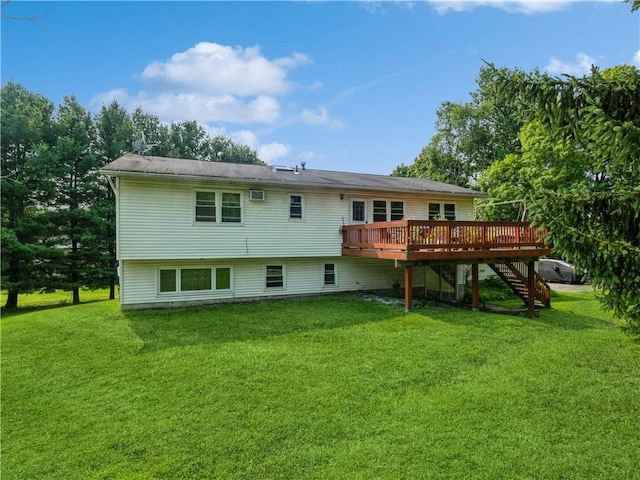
(156, 220)
(302, 276)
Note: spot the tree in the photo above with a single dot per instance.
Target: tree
(469, 136)
(155, 132)
(594, 219)
(223, 149)
(542, 164)
(26, 130)
(76, 191)
(115, 137)
(189, 140)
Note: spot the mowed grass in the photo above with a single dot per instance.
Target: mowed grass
(56, 299)
(325, 388)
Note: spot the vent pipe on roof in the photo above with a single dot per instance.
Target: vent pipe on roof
(303, 165)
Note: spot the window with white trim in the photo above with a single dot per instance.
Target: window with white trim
(358, 211)
(231, 207)
(397, 211)
(379, 210)
(384, 211)
(295, 206)
(439, 211)
(449, 211)
(194, 279)
(329, 273)
(205, 206)
(218, 207)
(274, 277)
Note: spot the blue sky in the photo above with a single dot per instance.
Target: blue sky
(350, 86)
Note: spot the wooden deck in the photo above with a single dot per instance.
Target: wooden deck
(443, 240)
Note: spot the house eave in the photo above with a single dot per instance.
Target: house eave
(254, 182)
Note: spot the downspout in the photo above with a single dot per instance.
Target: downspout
(115, 187)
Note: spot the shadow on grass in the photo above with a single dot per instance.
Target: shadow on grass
(14, 312)
(240, 322)
(563, 316)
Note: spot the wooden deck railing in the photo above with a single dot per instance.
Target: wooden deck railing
(413, 236)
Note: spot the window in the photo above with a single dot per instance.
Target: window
(448, 211)
(218, 207)
(208, 279)
(397, 210)
(295, 206)
(379, 211)
(358, 211)
(168, 281)
(329, 274)
(205, 206)
(434, 211)
(275, 276)
(381, 207)
(223, 278)
(192, 279)
(231, 208)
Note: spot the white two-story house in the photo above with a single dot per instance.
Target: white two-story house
(192, 232)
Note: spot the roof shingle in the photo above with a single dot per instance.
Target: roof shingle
(133, 164)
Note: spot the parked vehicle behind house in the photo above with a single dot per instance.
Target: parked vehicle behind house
(558, 271)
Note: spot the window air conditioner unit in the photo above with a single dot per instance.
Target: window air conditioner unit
(256, 195)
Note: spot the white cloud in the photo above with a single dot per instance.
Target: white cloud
(272, 151)
(219, 86)
(580, 67)
(206, 109)
(320, 117)
(244, 137)
(223, 70)
(636, 59)
(119, 95)
(521, 6)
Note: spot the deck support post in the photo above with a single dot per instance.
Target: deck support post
(408, 289)
(475, 287)
(531, 297)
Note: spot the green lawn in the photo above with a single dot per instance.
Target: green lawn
(325, 388)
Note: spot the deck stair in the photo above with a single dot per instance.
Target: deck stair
(514, 274)
(446, 273)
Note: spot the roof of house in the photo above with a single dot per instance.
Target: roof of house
(134, 164)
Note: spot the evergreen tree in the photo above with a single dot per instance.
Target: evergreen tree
(26, 188)
(76, 190)
(115, 137)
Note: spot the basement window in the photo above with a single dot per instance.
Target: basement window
(187, 279)
(274, 276)
(329, 273)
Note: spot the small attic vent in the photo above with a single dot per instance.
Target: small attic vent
(256, 195)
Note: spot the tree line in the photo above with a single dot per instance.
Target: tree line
(569, 148)
(58, 213)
